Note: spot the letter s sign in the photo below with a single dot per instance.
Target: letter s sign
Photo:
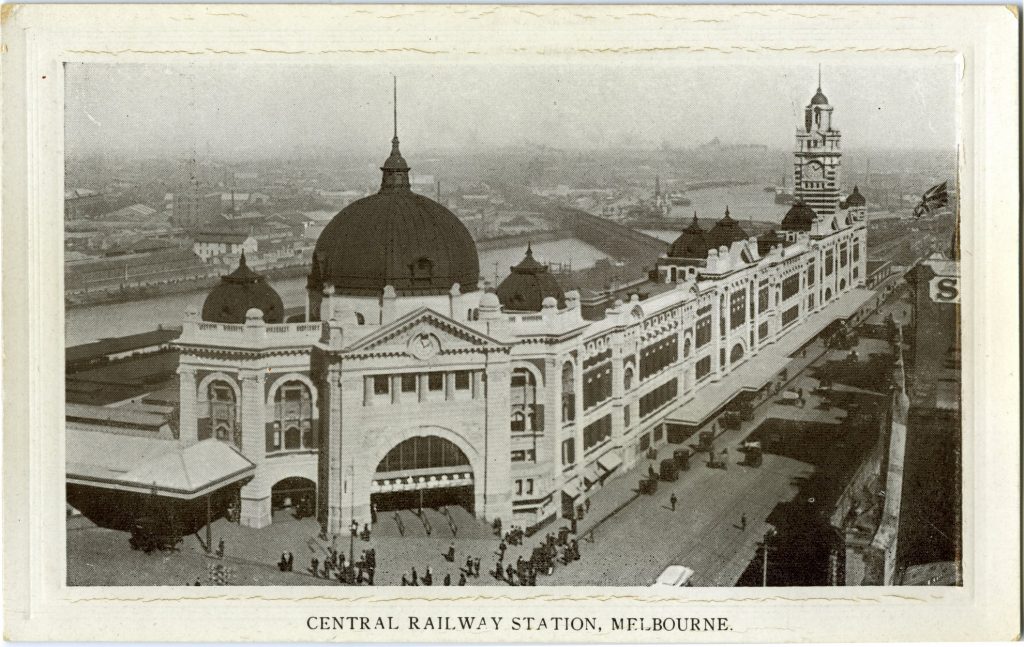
(944, 289)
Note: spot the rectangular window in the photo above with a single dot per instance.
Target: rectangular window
(625, 416)
(789, 316)
(569, 452)
(521, 455)
(762, 330)
(830, 259)
(645, 443)
(658, 397)
(856, 251)
(811, 274)
(597, 385)
(762, 299)
(597, 432)
(409, 383)
(519, 487)
(703, 331)
(462, 380)
(737, 309)
(659, 431)
(529, 486)
(381, 384)
(435, 381)
(658, 356)
(842, 255)
(703, 367)
(790, 286)
(810, 301)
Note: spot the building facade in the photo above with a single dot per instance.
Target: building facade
(410, 385)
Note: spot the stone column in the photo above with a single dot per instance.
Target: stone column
(492, 478)
(716, 335)
(256, 512)
(548, 447)
(332, 488)
(188, 432)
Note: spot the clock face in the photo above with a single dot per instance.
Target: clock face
(813, 171)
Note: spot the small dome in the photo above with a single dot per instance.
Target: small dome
(529, 284)
(692, 242)
(237, 293)
(855, 199)
(819, 99)
(725, 232)
(800, 217)
(766, 242)
(490, 300)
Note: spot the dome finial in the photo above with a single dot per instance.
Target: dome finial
(241, 259)
(819, 77)
(396, 170)
(529, 249)
(726, 211)
(394, 99)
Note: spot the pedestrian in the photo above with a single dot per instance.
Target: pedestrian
(220, 548)
(405, 579)
(450, 555)
(428, 577)
(462, 579)
(509, 572)
(415, 577)
(314, 567)
(672, 501)
(469, 565)
(198, 583)
(291, 561)
(447, 579)
(476, 567)
(586, 505)
(369, 574)
(373, 512)
(743, 522)
(501, 550)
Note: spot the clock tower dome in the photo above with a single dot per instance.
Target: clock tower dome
(816, 158)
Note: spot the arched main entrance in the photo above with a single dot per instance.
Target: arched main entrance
(423, 471)
(294, 495)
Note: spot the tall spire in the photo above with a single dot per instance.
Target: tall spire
(395, 169)
(819, 77)
(394, 100)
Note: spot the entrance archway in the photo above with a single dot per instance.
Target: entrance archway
(294, 494)
(423, 471)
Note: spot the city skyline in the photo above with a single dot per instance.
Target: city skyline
(269, 110)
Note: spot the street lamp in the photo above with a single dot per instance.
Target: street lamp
(764, 561)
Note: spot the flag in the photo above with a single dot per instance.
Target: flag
(934, 198)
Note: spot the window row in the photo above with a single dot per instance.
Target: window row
(658, 356)
(790, 286)
(524, 455)
(524, 486)
(703, 335)
(651, 402)
(789, 316)
(421, 386)
(597, 432)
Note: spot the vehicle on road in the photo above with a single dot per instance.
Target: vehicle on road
(674, 576)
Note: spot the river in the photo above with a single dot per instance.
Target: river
(86, 324)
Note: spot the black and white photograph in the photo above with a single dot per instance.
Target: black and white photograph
(466, 326)
(524, 324)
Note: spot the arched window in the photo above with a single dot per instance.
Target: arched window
(686, 348)
(223, 409)
(292, 427)
(423, 452)
(524, 401)
(360, 319)
(568, 392)
(422, 271)
(736, 354)
(627, 380)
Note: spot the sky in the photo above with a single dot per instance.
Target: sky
(274, 109)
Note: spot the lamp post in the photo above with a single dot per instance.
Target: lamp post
(352, 511)
(764, 561)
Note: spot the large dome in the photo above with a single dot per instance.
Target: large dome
(800, 217)
(691, 243)
(239, 291)
(398, 238)
(725, 232)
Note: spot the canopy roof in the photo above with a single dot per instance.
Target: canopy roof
(149, 465)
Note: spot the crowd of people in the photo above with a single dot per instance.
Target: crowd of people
(336, 566)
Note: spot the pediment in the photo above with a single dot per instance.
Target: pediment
(423, 335)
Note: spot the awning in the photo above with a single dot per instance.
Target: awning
(609, 461)
(592, 474)
(572, 487)
(149, 465)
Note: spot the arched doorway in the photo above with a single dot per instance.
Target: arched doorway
(736, 354)
(828, 294)
(294, 496)
(423, 471)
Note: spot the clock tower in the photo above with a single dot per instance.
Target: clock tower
(816, 158)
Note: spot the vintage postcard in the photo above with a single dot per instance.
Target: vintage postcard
(589, 323)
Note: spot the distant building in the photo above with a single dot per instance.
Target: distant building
(209, 245)
(81, 203)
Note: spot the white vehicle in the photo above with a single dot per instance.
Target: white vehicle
(673, 577)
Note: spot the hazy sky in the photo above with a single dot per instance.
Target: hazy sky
(273, 109)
